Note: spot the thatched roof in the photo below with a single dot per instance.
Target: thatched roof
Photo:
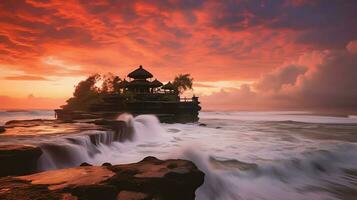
(155, 83)
(140, 83)
(140, 73)
(168, 86)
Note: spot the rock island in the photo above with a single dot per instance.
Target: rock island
(140, 94)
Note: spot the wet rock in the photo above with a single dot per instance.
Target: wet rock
(95, 192)
(66, 121)
(148, 179)
(172, 166)
(153, 177)
(2, 129)
(85, 164)
(107, 164)
(128, 195)
(122, 131)
(28, 123)
(18, 159)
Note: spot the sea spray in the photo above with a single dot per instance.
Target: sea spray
(216, 185)
(72, 151)
(147, 128)
(287, 179)
(96, 146)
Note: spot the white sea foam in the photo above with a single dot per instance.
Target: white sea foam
(245, 155)
(293, 116)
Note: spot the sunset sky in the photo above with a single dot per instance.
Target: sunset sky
(243, 54)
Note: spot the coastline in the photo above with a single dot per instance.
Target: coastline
(234, 150)
(150, 178)
(21, 176)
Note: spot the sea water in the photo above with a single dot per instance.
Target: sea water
(245, 155)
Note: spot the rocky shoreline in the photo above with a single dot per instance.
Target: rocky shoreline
(18, 159)
(150, 178)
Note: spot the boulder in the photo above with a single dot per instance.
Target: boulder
(85, 164)
(150, 178)
(170, 179)
(106, 164)
(18, 159)
(2, 129)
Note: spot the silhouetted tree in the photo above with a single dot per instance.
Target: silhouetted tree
(116, 84)
(87, 87)
(183, 82)
(110, 84)
(85, 94)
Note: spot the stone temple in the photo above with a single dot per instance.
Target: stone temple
(141, 94)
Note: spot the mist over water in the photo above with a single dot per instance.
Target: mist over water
(245, 155)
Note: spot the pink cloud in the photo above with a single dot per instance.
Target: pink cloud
(352, 46)
(328, 83)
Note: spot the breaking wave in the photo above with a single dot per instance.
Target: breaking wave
(306, 177)
(94, 146)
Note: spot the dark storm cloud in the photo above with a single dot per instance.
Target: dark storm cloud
(333, 84)
(324, 23)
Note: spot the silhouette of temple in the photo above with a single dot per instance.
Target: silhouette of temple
(141, 84)
(141, 95)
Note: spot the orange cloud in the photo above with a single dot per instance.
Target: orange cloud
(30, 103)
(26, 77)
(228, 41)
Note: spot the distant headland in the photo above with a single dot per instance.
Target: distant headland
(140, 94)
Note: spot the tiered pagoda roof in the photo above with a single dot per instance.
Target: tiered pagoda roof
(156, 83)
(140, 73)
(168, 86)
(141, 84)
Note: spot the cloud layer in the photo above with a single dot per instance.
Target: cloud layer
(320, 80)
(240, 38)
(225, 41)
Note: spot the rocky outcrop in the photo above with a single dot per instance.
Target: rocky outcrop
(28, 123)
(2, 129)
(122, 130)
(148, 179)
(18, 159)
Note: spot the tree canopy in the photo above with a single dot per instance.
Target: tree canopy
(87, 93)
(87, 86)
(183, 82)
(111, 84)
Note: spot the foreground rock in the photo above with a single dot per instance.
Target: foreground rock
(148, 179)
(2, 129)
(18, 159)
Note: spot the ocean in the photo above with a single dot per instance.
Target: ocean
(245, 155)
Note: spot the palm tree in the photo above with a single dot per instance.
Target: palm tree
(183, 82)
